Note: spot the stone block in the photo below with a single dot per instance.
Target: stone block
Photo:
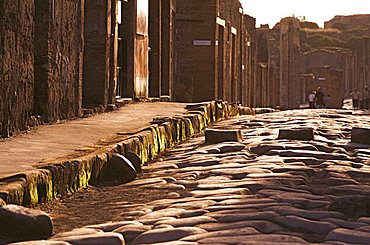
(214, 136)
(135, 160)
(296, 134)
(119, 169)
(360, 135)
(20, 222)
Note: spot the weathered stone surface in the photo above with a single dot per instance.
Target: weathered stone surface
(260, 225)
(263, 215)
(96, 239)
(76, 232)
(166, 235)
(260, 238)
(234, 232)
(120, 169)
(134, 159)
(214, 136)
(41, 242)
(108, 227)
(296, 134)
(299, 224)
(360, 135)
(192, 221)
(130, 232)
(228, 191)
(25, 223)
(348, 236)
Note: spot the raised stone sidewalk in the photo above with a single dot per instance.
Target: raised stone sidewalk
(261, 188)
(63, 158)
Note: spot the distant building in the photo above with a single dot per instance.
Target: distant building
(210, 50)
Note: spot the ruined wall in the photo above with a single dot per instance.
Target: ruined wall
(16, 65)
(168, 25)
(195, 45)
(343, 22)
(335, 58)
(232, 13)
(249, 32)
(97, 39)
(58, 58)
(290, 64)
(208, 50)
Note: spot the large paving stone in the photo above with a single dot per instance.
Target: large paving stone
(110, 226)
(110, 238)
(360, 135)
(234, 216)
(76, 232)
(214, 136)
(301, 224)
(177, 243)
(343, 223)
(25, 223)
(232, 232)
(227, 191)
(348, 236)
(308, 214)
(260, 225)
(40, 242)
(130, 232)
(192, 221)
(166, 235)
(259, 238)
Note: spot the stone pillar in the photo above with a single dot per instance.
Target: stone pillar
(113, 59)
(290, 61)
(168, 44)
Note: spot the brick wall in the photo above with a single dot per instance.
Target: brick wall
(16, 65)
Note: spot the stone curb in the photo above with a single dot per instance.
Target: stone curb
(57, 179)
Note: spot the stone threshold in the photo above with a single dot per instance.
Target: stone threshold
(68, 176)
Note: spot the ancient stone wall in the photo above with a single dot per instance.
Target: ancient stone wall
(58, 56)
(290, 64)
(168, 25)
(208, 47)
(232, 13)
(195, 44)
(249, 32)
(97, 53)
(16, 65)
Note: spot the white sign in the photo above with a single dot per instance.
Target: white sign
(202, 42)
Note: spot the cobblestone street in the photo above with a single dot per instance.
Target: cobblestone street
(263, 190)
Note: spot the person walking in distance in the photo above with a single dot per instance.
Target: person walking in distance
(356, 96)
(311, 100)
(320, 98)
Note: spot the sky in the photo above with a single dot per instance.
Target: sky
(319, 11)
